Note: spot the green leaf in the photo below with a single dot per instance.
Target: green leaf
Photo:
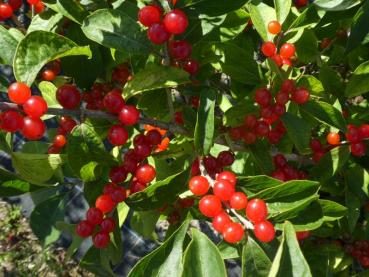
(8, 46)
(5, 144)
(36, 168)
(298, 131)
(40, 47)
(166, 260)
(202, 258)
(335, 5)
(48, 92)
(144, 223)
(35, 147)
(357, 83)
(92, 261)
(289, 260)
(360, 30)
(325, 113)
(227, 251)
(255, 262)
(69, 8)
(204, 130)
(11, 185)
(90, 172)
(215, 7)
(312, 84)
(71, 229)
(307, 47)
(260, 152)
(155, 77)
(159, 193)
(308, 18)
(261, 15)
(332, 162)
(46, 21)
(282, 8)
(254, 184)
(310, 218)
(353, 204)
(85, 146)
(332, 210)
(45, 216)
(115, 29)
(331, 80)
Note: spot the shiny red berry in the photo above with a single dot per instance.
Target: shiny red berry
(277, 59)
(145, 173)
(117, 174)
(67, 123)
(94, 216)
(262, 128)
(117, 135)
(33, 128)
(107, 225)
(225, 158)
(280, 161)
(300, 96)
(250, 121)
(274, 27)
(129, 115)
(105, 203)
(180, 49)
(353, 133)
(364, 131)
(282, 97)
(153, 137)
(15, 4)
(210, 205)
(19, 93)
(263, 97)
(333, 138)
(256, 210)
(35, 106)
(264, 231)
(101, 240)
(223, 189)
(288, 86)
(233, 232)
(268, 49)
(157, 33)
(191, 66)
(60, 141)
(175, 22)
(287, 50)
(199, 185)
(68, 96)
(149, 15)
(114, 101)
(358, 149)
(118, 195)
(302, 235)
(11, 121)
(220, 221)
(238, 201)
(33, 2)
(48, 75)
(228, 176)
(137, 187)
(84, 229)
(6, 11)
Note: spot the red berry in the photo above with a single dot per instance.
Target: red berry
(137, 187)
(53, 149)
(149, 15)
(109, 188)
(94, 216)
(300, 95)
(287, 50)
(114, 101)
(238, 201)
(19, 93)
(175, 22)
(288, 86)
(179, 118)
(333, 138)
(101, 240)
(105, 203)
(316, 145)
(60, 141)
(142, 151)
(250, 121)
(129, 115)
(48, 75)
(225, 158)
(267, 112)
(282, 97)
(274, 27)
(302, 235)
(262, 128)
(358, 149)
(68, 96)
(228, 176)
(318, 155)
(130, 166)
(15, 4)
(11, 121)
(256, 210)
(6, 11)
(39, 7)
(33, 2)
(67, 123)
(117, 135)
(274, 137)
(263, 97)
(139, 139)
(268, 48)
(264, 231)
(325, 43)
(145, 173)
(220, 221)
(249, 137)
(233, 232)
(191, 66)
(33, 128)
(210, 205)
(280, 161)
(277, 59)
(84, 229)
(353, 133)
(157, 33)
(199, 185)
(153, 137)
(364, 131)
(210, 163)
(286, 62)
(195, 167)
(180, 49)
(117, 174)
(279, 110)
(107, 225)
(119, 195)
(35, 106)
(279, 175)
(223, 189)
(187, 202)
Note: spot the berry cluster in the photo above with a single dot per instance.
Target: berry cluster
(7, 9)
(269, 49)
(271, 108)
(31, 126)
(286, 172)
(224, 194)
(164, 144)
(160, 30)
(359, 250)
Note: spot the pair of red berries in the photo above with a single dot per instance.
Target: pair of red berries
(213, 165)
(7, 9)
(285, 172)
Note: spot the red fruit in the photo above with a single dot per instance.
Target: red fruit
(105, 203)
(279, 110)
(282, 97)
(48, 75)
(266, 112)
(180, 49)
(287, 50)
(35, 106)
(358, 149)
(279, 175)
(142, 151)
(262, 128)
(277, 59)
(107, 225)
(274, 27)
(274, 137)
(119, 195)
(249, 137)
(300, 96)
(210, 205)
(225, 158)
(149, 15)
(145, 173)
(39, 7)
(101, 240)
(199, 185)
(179, 118)
(256, 210)
(233, 232)
(137, 187)
(67, 123)
(191, 66)
(238, 201)
(325, 43)
(157, 33)
(264, 231)
(117, 135)
(15, 4)
(53, 149)
(130, 166)
(139, 139)
(129, 115)
(187, 202)
(220, 221)
(94, 216)
(6, 11)
(302, 235)
(60, 141)
(18, 92)
(318, 155)
(175, 22)
(117, 174)
(153, 137)
(68, 96)
(250, 121)
(11, 121)
(33, 2)
(228, 176)
(223, 189)
(316, 145)
(364, 131)
(333, 138)
(235, 133)
(195, 101)
(33, 128)
(84, 229)
(263, 97)
(114, 101)
(288, 86)
(109, 188)
(353, 133)
(210, 163)
(268, 49)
